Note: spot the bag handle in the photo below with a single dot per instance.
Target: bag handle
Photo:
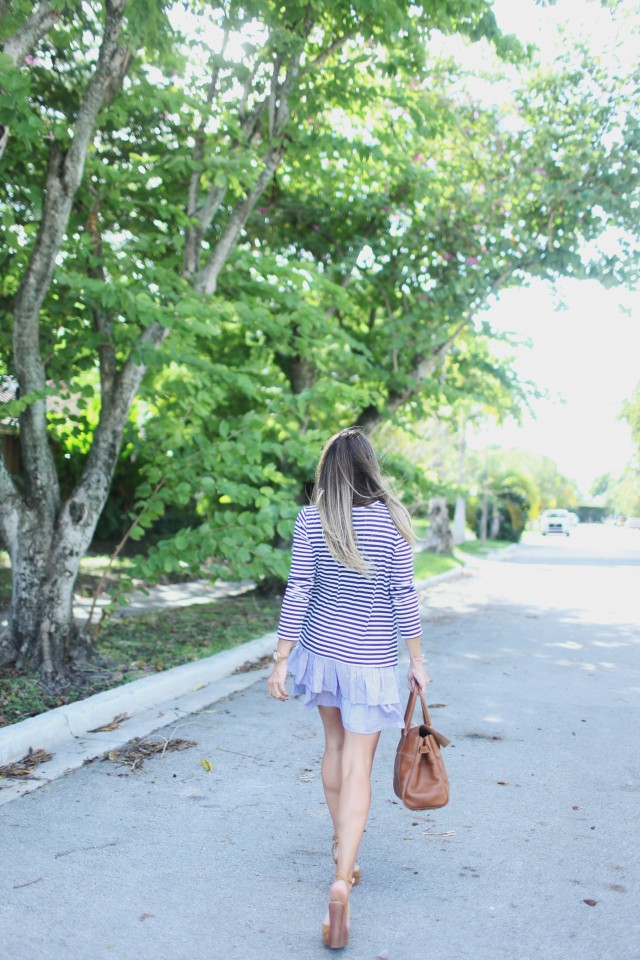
(413, 696)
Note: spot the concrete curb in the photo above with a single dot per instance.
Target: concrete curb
(151, 703)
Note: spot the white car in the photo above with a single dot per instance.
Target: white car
(555, 521)
(632, 523)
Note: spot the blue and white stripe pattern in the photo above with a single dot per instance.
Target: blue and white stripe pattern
(338, 613)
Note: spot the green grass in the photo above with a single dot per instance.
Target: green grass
(133, 647)
(159, 641)
(420, 527)
(430, 564)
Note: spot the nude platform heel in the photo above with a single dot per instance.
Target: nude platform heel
(335, 934)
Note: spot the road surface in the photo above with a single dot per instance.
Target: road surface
(536, 679)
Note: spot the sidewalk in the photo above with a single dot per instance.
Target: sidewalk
(159, 597)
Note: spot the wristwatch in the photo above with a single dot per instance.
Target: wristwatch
(279, 657)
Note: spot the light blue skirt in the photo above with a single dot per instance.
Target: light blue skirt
(368, 697)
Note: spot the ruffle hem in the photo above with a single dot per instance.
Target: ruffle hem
(368, 697)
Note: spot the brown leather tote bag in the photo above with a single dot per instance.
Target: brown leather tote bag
(419, 777)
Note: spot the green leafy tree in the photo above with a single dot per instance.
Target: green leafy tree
(135, 157)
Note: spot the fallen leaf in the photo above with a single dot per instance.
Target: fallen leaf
(135, 752)
(208, 766)
(503, 783)
(24, 767)
(575, 808)
(115, 723)
(590, 903)
(145, 916)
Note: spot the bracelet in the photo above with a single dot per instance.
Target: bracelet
(419, 658)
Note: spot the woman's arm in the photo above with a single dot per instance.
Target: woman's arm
(299, 585)
(417, 673)
(294, 605)
(405, 601)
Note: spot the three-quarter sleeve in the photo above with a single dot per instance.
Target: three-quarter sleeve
(403, 592)
(300, 584)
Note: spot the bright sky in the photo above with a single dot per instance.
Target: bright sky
(586, 356)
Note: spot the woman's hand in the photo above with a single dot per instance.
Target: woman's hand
(418, 676)
(276, 682)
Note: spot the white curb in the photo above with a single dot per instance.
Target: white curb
(151, 703)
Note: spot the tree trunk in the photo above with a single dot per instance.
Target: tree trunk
(459, 517)
(42, 632)
(484, 516)
(439, 537)
(495, 523)
(46, 549)
(459, 522)
(45, 561)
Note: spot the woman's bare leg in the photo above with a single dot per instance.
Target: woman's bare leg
(346, 778)
(358, 751)
(332, 759)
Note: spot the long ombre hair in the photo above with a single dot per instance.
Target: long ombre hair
(349, 475)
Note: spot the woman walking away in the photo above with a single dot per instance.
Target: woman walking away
(350, 593)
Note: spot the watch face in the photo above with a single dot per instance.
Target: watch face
(276, 655)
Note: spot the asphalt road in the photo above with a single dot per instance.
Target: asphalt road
(536, 675)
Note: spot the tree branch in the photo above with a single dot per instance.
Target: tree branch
(207, 278)
(207, 210)
(273, 94)
(193, 235)
(83, 507)
(33, 29)
(25, 39)
(277, 103)
(63, 178)
(331, 49)
(371, 415)
(101, 319)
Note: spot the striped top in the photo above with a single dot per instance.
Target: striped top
(339, 613)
